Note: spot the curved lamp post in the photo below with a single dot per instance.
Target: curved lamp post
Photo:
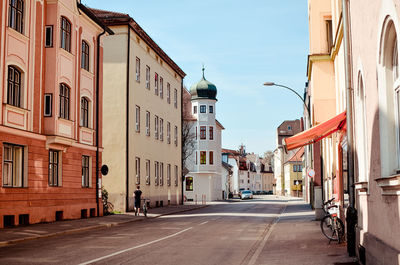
(297, 94)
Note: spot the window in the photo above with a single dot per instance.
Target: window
(85, 55)
(49, 36)
(294, 168)
(289, 127)
(156, 127)
(147, 77)
(148, 172)
(203, 108)
(54, 168)
(64, 101)
(161, 87)
(85, 171)
(203, 155)
(189, 183)
(161, 129)
(194, 109)
(176, 136)
(137, 169)
(85, 112)
(65, 34)
(161, 174)
(155, 84)
(156, 172)
(147, 123)
(137, 127)
(195, 158)
(211, 133)
(176, 176)
(13, 166)
(329, 38)
(203, 132)
(48, 104)
(169, 174)
(138, 69)
(389, 102)
(168, 93)
(175, 98)
(16, 15)
(211, 109)
(168, 132)
(14, 87)
(211, 157)
(195, 132)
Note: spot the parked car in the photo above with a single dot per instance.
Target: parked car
(270, 192)
(246, 194)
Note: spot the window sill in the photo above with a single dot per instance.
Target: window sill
(361, 186)
(389, 185)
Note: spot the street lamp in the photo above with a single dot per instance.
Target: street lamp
(297, 94)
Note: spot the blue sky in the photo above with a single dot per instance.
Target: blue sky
(242, 44)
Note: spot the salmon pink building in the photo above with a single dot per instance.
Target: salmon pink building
(50, 93)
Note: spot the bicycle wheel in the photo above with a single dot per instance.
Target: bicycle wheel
(110, 207)
(145, 211)
(328, 228)
(340, 228)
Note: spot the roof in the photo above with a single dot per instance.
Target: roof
(229, 151)
(297, 157)
(93, 17)
(203, 89)
(110, 18)
(227, 166)
(219, 124)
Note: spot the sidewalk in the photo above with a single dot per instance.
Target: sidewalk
(296, 238)
(35, 231)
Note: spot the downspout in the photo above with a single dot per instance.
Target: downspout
(351, 213)
(97, 117)
(182, 165)
(127, 121)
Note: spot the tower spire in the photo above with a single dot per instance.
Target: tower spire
(203, 71)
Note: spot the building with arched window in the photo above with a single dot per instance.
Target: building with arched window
(48, 157)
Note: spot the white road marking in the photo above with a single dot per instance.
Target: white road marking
(203, 223)
(135, 247)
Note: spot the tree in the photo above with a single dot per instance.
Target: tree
(268, 159)
(188, 141)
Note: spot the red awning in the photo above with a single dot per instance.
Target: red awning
(316, 133)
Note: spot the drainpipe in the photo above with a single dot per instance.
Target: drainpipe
(182, 164)
(127, 121)
(351, 213)
(97, 117)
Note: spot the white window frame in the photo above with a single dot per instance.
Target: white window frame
(175, 98)
(161, 127)
(147, 123)
(148, 172)
(22, 178)
(147, 77)
(156, 78)
(169, 175)
(156, 127)
(176, 135)
(161, 87)
(137, 170)
(161, 173)
(137, 117)
(168, 93)
(168, 132)
(137, 69)
(156, 172)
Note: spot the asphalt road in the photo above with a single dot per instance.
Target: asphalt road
(226, 233)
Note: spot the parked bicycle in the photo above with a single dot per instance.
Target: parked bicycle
(144, 207)
(331, 225)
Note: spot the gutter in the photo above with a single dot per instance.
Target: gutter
(351, 213)
(127, 120)
(109, 31)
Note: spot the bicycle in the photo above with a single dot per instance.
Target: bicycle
(144, 207)
(331, 225)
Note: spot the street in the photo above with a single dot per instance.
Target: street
(226, 233)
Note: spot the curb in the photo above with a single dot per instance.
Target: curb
(88, 228)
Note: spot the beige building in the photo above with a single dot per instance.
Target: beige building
(142, 116)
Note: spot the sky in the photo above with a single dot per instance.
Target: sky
(242, 44)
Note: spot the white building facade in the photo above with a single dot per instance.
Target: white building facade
(203, 183)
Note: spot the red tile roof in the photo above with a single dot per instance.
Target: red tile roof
(297, 156)
(115, 18)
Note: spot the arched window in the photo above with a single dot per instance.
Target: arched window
(64, 101)
(65, 34)
(389, 100)
(361, 131)
(85, 112)
(14, 87)
(85, 56)
(16, 15)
